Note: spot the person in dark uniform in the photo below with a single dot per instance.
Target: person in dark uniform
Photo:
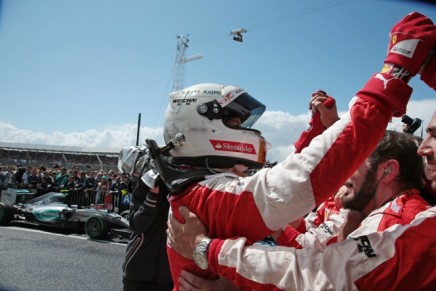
(146, 264)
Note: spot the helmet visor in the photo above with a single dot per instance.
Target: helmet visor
(248, 109)
(244, 107)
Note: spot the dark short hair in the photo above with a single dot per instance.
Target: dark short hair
(403, 148)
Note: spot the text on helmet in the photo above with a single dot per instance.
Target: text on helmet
(230, 146)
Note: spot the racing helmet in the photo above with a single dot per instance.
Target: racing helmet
(200, 113)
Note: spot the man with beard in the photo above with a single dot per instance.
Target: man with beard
(369, 261)
(384, 190)
(256, 206)
(393, 198)
(399, 258)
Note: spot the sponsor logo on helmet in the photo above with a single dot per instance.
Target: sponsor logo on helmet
(185, 101)
(231, 146)
(194, 92)
(229, 97)
(211, 92)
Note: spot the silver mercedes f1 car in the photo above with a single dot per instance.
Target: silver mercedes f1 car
(53, 210)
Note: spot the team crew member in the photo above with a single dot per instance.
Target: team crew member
(258, 205)
(401, 257)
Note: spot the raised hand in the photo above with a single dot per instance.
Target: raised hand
(411, 41)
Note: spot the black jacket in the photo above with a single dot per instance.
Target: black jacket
(146, 257)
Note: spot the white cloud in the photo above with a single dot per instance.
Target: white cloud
(281, 129)
(111, 137)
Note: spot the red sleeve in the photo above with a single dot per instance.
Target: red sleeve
(214, 251)
(315, 128)
(288, 237)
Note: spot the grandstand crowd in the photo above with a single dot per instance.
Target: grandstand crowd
(86, 188)
(24, 157)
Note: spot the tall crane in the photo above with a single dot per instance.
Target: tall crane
(179, 74)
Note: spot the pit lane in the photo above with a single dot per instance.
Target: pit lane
(35, 259)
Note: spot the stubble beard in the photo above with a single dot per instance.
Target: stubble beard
(366, 193)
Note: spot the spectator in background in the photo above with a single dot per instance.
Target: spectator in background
(98, 178)
(116, 185)
(33, 179)
(91, 181)
(44, 187)
(81, 181)
(127, 186)
(53, 176)
(111, 175)
(101, 190)
(74, 172)
(42, 170)
(108, 198)
(90, 186)
(70, 185)
(25, 177)
(110, 181)
(18, 175)
(117, 190)
(61, 178)
(2, 178)
(10, 179)
(79, 189)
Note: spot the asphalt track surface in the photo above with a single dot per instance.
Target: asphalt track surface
(33, 260)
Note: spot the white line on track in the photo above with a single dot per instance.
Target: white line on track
(65, 235)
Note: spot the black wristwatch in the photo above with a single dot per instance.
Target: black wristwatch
(200, 254)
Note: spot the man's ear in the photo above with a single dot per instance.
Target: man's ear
(387, 170)
(391, 169)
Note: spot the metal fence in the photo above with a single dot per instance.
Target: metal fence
(112, 201)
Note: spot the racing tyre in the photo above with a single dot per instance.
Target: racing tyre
(96, 227)
(125, 214)
(6, 214)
